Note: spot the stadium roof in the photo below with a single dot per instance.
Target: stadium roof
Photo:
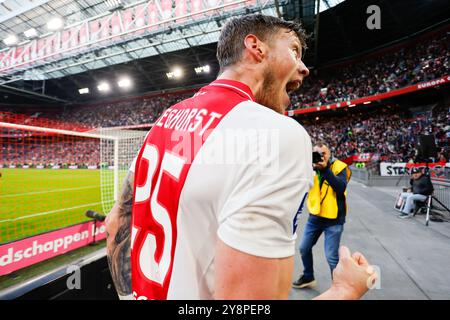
(97, 34)
(147, 75)
(21, 62)
(190, 43)
(17, 16)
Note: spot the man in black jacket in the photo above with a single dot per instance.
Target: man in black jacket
(421, 187)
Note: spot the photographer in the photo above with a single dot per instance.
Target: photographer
(421, 187)
(327, 206)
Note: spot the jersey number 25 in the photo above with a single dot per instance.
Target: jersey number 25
(172, 165)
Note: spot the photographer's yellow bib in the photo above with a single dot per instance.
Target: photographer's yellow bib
(322, 202)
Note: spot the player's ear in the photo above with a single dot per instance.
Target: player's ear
(255, 47)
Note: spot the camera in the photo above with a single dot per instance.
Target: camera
(316, 157)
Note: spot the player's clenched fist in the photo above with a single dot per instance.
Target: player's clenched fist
(353, 275)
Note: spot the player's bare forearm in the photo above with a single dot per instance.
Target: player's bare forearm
(235, 276)
(118, 238)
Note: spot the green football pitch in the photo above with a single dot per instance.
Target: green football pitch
(33, 201)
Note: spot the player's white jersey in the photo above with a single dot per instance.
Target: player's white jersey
(217, 165)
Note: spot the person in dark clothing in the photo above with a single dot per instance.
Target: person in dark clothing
(421, 188)
(327, 207)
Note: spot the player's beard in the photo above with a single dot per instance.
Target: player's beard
(268, 96)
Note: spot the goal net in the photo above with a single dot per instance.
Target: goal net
(50, 177)
(120, 150)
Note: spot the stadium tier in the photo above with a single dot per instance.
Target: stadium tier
(388, 132)
(418, 61)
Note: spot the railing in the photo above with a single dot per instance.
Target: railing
(360, 174)
(372, 178)
(442, 192)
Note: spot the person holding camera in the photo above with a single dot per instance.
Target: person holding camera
(327, 207)
(421, 188)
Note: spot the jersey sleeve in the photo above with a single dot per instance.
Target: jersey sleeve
(259, 216)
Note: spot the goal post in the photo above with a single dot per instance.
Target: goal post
(50, 177)
(117, 154)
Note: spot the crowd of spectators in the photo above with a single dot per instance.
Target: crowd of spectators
(427, 60)
(389, 133)
(50, 151)
(40, 119)
(142, 111)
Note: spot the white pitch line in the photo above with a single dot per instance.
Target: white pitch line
(47, 191)
(48, 212)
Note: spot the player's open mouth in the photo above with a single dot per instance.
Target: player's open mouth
(292, 86)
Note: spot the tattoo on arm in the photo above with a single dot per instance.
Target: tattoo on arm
(119, 250)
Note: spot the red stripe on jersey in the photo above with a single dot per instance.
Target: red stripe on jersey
(161, 169)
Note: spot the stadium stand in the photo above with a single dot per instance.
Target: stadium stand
(63, 153)
(356, 133)
(390, 133)
(379, 73)
(123, 113)
(383, 72)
